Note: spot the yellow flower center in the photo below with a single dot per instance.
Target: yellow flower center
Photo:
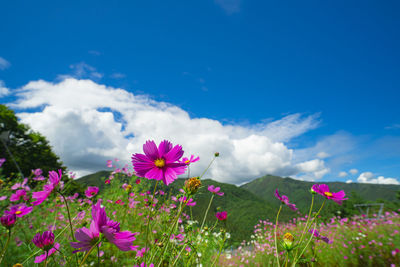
(18, 212)
(288, 237)
(328, 194)
(128, 187)
(187, 161)
(159, 163)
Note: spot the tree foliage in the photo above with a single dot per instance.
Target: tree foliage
(30, 149)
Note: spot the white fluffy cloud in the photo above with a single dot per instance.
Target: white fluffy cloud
(353, 171)
(88, 123)
(349, 181)
(342, 174)
(369, 177)
(3, 89)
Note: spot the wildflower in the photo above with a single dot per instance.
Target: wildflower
(144, 265)
(37, 175)
(45, 241)
(109, 163)
(17, 195)
(222, 216)
(8, 220)
(215, 190)
(323, 190)
(3, 198)
(317, 235)
(216, 154)
(160, 163)
(18, 265)
(21, 185)
(284, 199)
(19, 210)
(91, 191)
(192, 185)
(2, 160)
(137, 181)
(109, 228)
(108, 181)
(288, 241)
(54, 183)
(127, 187)
(192, 159)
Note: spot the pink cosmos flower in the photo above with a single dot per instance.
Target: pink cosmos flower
(188, 161)
(38, 175)
(91, 191)
(3, 198)
(109, 163)
(323, 190)
(45, 241)
(17, 195)
(222, 216)
(285, 200)
(21, 185)
(2, 160)
(317, 235)
(19, 210)
(8, 220)
(53, 183)
(144, 265)
(191, 202)
(215, 190)
(160, 163)
(109, 228)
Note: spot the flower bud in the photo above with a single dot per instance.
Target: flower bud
(8, 220)
(288, 241)
(192, 185)
(216, 154)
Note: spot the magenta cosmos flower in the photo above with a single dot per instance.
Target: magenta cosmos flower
(160, 163)
(53, 183)
(8, 220)
(18, 194)
(222, 216)
(2, 160)
(323, 190)
(215, 190)
(317, 235)
(285, 200)
(192, 159)
(45, 241)
(91, 191)
(19, 210)
(109, 228)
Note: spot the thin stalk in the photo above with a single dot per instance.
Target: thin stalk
(287, 259)
(220, 250)
(88, 253)
(172, 229)
(209, 165)
(148, 220)
(45, 259)
(306, 225)
(304, 249)
(205, 215)
(276, 228)
(69, 217)
(98, 255)
(179, 254)
(3, 253)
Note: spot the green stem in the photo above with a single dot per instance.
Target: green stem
(276, 228)
(45, 259)
(220, 250)
(3, 253)
(88, 253)
(98, 255)
(306, 225)
(205, 215)
(304, 249)
(209, 165)
(179, 254)
(69, 217)
(148, 221)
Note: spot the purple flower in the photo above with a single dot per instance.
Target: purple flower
(160, 163)
(91, 191)
(192, 159)
(38, 175)
(323, 190)
(215, 190)
(285, 200)
(317, 235)
(2, 160)
(86, 238)
(21, 185)
(54, 183)
(45, 241)
(109, 163)
(19, 210)
(109, 228)
(8, 220)
(3, 198)
(222, 216)
(20, 193)
(144, 265)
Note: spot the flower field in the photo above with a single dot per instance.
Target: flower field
(124, 225)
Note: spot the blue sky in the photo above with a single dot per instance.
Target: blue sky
(242, 63)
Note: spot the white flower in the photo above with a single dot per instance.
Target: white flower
(228, 235)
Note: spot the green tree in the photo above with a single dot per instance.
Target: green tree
(30, 149)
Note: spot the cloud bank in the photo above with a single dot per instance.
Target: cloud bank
(369, 177)
(88, 123)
